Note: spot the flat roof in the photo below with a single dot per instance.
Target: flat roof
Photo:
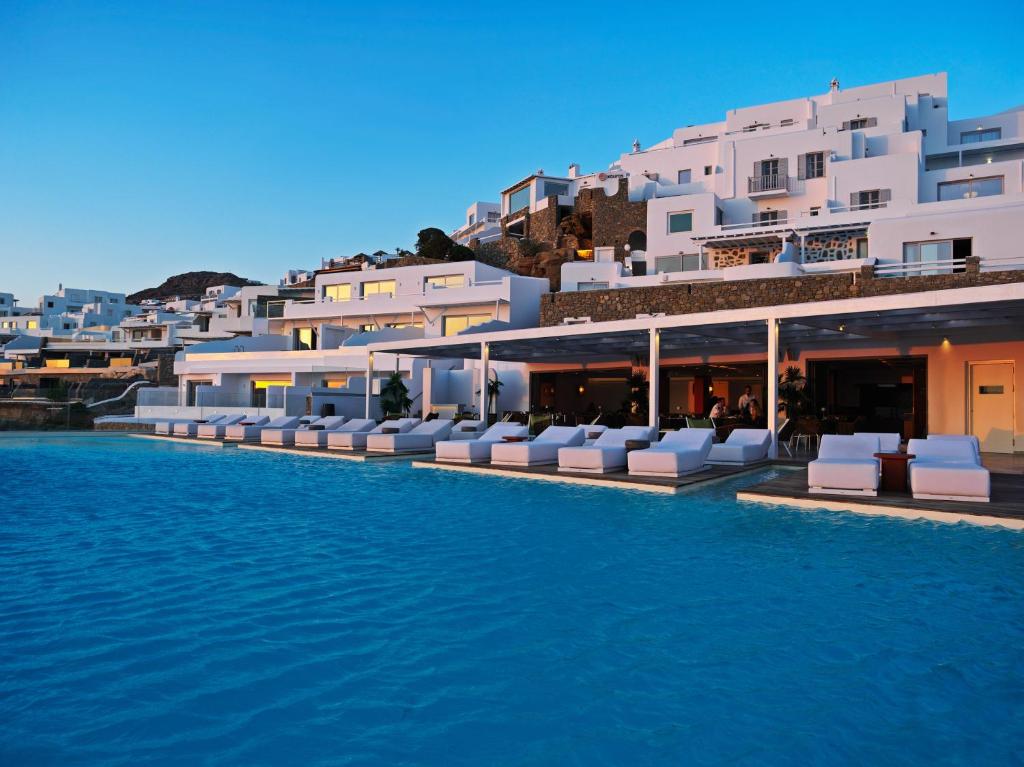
(896, 319)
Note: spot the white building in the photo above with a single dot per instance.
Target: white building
(481, 224)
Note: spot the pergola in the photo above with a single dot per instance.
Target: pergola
(904, 318)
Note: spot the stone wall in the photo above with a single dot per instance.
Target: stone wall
(690, 298)
(837, 246)
(720, 257)
(613, 217)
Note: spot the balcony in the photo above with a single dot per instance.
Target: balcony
(774, 185)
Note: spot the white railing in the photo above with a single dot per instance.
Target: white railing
(755, 224)
(163, 396)
(921, 268)
(1002, 264)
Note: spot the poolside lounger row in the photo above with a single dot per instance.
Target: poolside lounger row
(286, 437)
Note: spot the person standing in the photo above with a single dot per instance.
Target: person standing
(748, 394)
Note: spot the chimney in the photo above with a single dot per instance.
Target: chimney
(833, 86)
(574, 170)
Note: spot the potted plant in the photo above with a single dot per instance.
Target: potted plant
(394, 396)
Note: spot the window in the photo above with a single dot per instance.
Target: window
(769, 168)
(555, 188)
(493, 216)
(592, 286)
(869, 199)
(305, 339)
(472, 219)
(862, 247)
(455, 325)
(32, 325)
(684, 177)
(446, 281)
(67, 326)
(680, 222)
(768, 217)
(683, 262)
(335, 383)
(367, 327)
(49, 304)
(814, 165)
(816, 210)
(379, 288)
(786, 123)
(719, 216)
(981, 134)
(519, 199)
(947, 255)
(971, 187)
(342, 292)
(859, 124)
(707, 170)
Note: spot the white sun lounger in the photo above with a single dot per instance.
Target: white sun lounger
(607, 454)
(285, 437)
(166, 428)
(356, 440)
(677, 454)
(741, 447)
(467, 430)
(318, 437)
(543, 450)
(887, 442)
(592, 432)
(845, 466)
(419, 438)
(947, 470)
(478, 450)
(217, 430)
(968, 438)
(250, 432)
(191, 428)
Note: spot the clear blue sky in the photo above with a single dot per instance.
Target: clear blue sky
(139, 140)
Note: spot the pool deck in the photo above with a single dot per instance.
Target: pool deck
(619, 479)
(360, 456)
(1005, 509)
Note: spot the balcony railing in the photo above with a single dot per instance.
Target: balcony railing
(775, 182)
(922, 268)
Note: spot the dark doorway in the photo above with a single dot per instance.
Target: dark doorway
(637, 240)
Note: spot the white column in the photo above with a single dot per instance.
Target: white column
(654, 364)
(803, 246)
(369, 381)
(773, 385)
(485, 359)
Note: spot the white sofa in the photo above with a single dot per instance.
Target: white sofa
(543, 450)
(947, 470)
(419, 438)
(887, 442)
(286, 437)
(478, 450)
(356, 440)
(249, 431)
(467, 430)
(845, 466)
(677, 454)
(607, 454)
(217, 430)
(741, 447)
(191, 428)
(318, 437)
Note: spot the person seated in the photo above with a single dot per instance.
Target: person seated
(718, 409)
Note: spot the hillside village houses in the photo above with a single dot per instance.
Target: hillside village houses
(857, 241)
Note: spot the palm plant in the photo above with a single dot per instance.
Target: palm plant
(493, 390)
(792, 385)
(394, 395)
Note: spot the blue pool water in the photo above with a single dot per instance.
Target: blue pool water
(162, 603)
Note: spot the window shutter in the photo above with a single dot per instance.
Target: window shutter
(884, 195)
(757, 169)
(846, 125)
(871, 122)
(784, 167)
(854, 199)
(801, 166)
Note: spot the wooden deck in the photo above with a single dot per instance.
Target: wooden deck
(1005, 509)
(620, 479)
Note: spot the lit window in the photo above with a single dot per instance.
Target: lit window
(335, 383)
(981, 134)
(680, 222)
(342, 292)
(447, 281)
(32, 325)
(455, 325)
(305, 338)
(971, 187)
(379, 288)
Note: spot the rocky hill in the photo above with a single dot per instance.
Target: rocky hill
(189, 285)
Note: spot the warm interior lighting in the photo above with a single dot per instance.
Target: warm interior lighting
(842, 328)
(581, 389)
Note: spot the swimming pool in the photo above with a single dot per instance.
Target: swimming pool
(177, 603)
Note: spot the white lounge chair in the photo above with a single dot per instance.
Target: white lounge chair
(741, 447)
(356, 440)
(166, 428)
(887, 442)
(247, 431)
(478, 450)
(419, 438)
(543, 450)
(191, 428)
(607, 454)
(592, 432)
(217, 430)
(845, 466)
(677, 454)
(947, 470)
(319, 437)
(968, 438)
(286, 437)
(467, 430)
